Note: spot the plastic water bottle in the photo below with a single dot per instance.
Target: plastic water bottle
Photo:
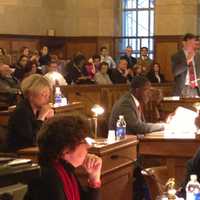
(193, 188)
(58, 97)
(120, 128)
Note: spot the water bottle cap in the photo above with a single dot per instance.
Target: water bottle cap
(193, 177)
(121, 116)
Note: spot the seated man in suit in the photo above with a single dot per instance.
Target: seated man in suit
(131, 105)
(9, 87)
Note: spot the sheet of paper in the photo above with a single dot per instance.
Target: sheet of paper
(182, 124)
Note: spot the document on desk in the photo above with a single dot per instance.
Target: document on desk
(182, 124)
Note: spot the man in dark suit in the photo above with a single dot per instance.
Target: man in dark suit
(186, 68)
(130, 106)
(128, 55)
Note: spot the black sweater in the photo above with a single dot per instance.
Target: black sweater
(22, 126)
(50, 186)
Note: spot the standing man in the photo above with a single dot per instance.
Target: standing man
(144, 60)
(130, 59)
(105, 57)
(186, 68)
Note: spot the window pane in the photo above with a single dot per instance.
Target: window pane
(143, 3)
(129, 4)
(132, 43)
(151, 56)
(138, 45)
(143, 23)
(151, 44)
(151, 23)
(152, 3)
(130, 23)
(145, 42)
(138, 22)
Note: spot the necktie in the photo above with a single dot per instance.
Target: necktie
(192, 81)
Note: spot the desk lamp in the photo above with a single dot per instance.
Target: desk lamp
(97, 110)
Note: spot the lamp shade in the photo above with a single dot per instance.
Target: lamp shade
(97, 109)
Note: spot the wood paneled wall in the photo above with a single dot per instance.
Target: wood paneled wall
(66, 47)
(165, 47)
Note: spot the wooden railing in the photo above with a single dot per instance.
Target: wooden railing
(104, 95)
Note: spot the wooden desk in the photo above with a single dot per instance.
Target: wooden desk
(169, 106)
(75, 107)
(174, 153)
(14, 175)
(117, 169)
(4, 117)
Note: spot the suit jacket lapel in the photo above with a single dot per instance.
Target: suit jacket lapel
(138, 114)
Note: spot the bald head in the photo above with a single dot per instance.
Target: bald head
(5, 70)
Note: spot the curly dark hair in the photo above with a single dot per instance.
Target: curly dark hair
(58, 133)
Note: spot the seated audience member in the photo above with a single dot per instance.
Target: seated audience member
(144, 60)
(30, 113)
(76, 71)
(137, 70)
(35, 57)
(32, 68)
(119, 74)
(101, 77)
(90, 69)
(106, 58)
(154, 74)
(20, 68)
(9, 88)
(25, 51)
(130, 59)
(44, 56)
(96, 60)
(131, 106)
(62, 148)
(54, 77)
(4, 57)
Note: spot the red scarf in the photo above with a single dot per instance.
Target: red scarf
(69, 182)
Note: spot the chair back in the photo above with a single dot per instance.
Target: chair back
(155, 178)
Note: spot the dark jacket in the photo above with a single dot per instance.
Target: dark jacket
(153, 79)
(131, 60)
(19, 72)
(179, 69)
(74, 73)
(117, 77)
(9, 89)
(50, 187)
(135, 124)
(44, 59)
(22, 126)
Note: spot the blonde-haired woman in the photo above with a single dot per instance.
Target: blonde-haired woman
(30, 113)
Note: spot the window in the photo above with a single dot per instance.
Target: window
(138, 25)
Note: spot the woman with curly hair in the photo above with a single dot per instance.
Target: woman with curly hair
(62, 148)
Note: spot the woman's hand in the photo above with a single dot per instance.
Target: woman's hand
(92, 165)
(45, 112)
